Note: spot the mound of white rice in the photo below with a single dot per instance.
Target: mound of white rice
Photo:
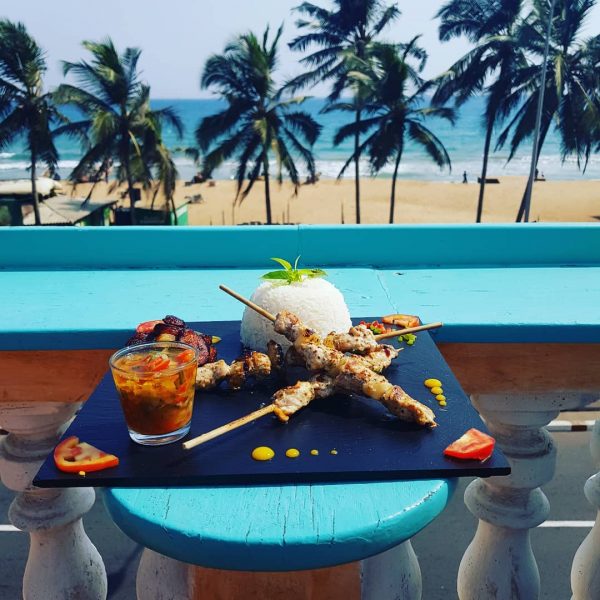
(318, 303)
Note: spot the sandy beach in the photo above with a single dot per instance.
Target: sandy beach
(331, 201)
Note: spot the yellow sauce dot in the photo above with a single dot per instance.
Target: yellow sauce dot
(334, 451)
(314, 452)
(440, 398)
(443, 403)
(263, 453)
(437, 390)
(81, 473)
(432, 383)
(292, 453)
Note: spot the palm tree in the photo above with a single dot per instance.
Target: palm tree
(489, 67)
(570, 85)
(117, 117)
(258, 121)
(395, 112)
(25, 109)
(343, 36)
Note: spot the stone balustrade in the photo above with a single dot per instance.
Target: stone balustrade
(585, 574)
(62, 561)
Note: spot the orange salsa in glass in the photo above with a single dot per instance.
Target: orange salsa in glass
(156, 384)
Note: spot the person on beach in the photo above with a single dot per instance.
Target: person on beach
(465, 177)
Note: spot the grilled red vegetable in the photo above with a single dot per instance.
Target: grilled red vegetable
(171, 329)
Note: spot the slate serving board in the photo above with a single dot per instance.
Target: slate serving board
(371, 444)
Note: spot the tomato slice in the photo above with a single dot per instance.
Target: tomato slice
(376, 327)
(72, 456)
(401, 320)
(147, 326)
(474, 444)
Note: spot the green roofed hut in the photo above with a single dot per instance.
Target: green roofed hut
(55, 208)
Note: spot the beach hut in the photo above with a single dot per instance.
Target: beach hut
(64, 210)
(16, 201)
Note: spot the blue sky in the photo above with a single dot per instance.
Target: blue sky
(178, 35)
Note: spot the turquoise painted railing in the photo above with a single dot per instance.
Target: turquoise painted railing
(406, 246)
(83, 288)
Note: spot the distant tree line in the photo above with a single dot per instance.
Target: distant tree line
(377, 82)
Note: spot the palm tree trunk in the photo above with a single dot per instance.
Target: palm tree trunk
(34, 195)
(486, 154)
(393, 195)
(175, 218)
(521, 212)
(130, 188)
(356, 169)
(267, 190)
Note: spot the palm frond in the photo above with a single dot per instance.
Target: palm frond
(432, 145)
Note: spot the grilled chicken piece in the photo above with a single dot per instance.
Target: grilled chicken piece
(275, 354)
(291, 399)
(359, 340)
(355, 377)
(253, 364)
(211, 375)
(381, 358)
(293, 358)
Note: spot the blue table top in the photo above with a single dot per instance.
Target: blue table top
(284, 528)
(81, 288)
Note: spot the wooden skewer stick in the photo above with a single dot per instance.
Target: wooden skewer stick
(397, 332)
(211, 435)
(256, 307)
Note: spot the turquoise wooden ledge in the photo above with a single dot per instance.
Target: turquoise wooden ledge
(81, 288)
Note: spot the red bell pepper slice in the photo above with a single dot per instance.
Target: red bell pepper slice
(185, 356)
(474, 444)
(73, 456)
(158, 363)
(401, 320)
(147, 326)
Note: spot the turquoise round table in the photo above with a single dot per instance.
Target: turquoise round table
(285, 528)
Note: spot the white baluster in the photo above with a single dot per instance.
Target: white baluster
(499, 562)
(391, 575)
(585, 573)
(62, 561)
(162, 578)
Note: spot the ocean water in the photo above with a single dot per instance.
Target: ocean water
(464, 143)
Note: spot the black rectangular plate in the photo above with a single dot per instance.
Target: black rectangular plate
(371, 444)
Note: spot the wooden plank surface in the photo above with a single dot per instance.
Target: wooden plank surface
(523, 368)
(51, 376)
(333, 583)
(71, 376)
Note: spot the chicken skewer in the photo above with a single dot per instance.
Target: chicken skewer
(351, 374)
(285, 403)
(350, 370)
(252, 364)
(260, 366)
